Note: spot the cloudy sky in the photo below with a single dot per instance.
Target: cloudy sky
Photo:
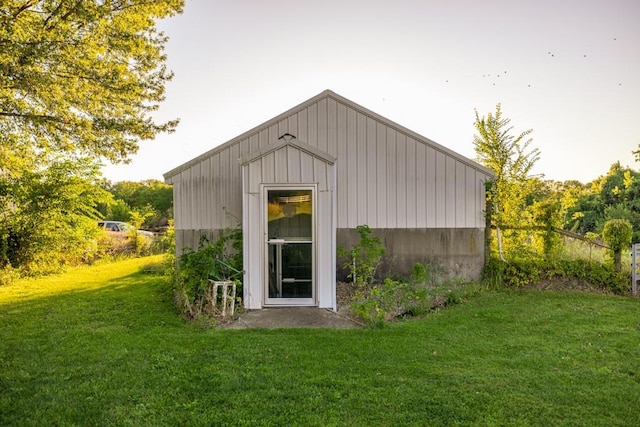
(568, 69)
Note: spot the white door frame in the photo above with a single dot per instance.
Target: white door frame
(266, 242)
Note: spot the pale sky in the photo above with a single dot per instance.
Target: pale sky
(568, 69)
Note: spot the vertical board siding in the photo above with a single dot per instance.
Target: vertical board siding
(225, 184)
(480, 197)
(263, 138)
(322, 125)
(369, 156)
(401, 180)
(450, 192)
(342, 193)
(269, 168)
(306, 162)
(430, 187)
(332, 128)
(207, 195)
(392, 182)
(254, 177)
(273, 134)
(473, 203)
(293, 125)
(381, 175)
(461, 195)
(385, 178)
(283, 127)
(360, 163)
(234, 204)
(421, 186)
(352, 173)
(320, 174)
(196, 179)
(440, 199)
(303, 126)
(294, 165)
(312, 125)
(281, 163)
(411, 183)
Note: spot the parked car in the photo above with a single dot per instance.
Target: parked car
(120, 228)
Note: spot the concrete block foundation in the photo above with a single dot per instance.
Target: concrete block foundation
(452, 252)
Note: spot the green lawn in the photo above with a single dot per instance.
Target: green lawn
(103, 346)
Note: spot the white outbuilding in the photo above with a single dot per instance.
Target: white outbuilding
(302, 182)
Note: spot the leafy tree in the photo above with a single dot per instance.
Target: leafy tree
(82, 77)
(48, 216)
(511, 159)
(79, 81)
(118, 210)
(615, 195)
(501, 152)
(617, 234)
(152, 198)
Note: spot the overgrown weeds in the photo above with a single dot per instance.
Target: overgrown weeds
(377, 301)
(574, 273)
(219, 261)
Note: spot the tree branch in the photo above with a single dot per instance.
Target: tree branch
(22, 8)
(30, 116)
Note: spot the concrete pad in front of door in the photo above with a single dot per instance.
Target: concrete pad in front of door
(291, 317)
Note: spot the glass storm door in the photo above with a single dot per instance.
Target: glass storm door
(290, 247)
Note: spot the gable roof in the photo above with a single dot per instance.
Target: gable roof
(328, 158)
(328, 94)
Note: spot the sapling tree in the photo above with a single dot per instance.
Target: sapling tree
(364, 258)
(511, 159)
(617, 233)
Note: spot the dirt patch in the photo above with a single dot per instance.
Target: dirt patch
(345, 293)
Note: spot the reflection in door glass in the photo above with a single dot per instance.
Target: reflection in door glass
(289, 213)
(290, 243)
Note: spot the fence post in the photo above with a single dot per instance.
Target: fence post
(488, 218)
(635, 264)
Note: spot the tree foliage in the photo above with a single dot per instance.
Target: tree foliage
(151, 198)
(82, 77)
(511, 159)
(615, 195)
(506, 155)
(48, 216)
(617, 233)
(79, 82)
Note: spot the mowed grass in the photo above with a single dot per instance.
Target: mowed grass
(103, 346)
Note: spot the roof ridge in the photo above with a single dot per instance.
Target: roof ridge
(328, 93)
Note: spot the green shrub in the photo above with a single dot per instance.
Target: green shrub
(577, 273)
(377, 302)
(393, 299)
(364, 258)
(221, 260)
